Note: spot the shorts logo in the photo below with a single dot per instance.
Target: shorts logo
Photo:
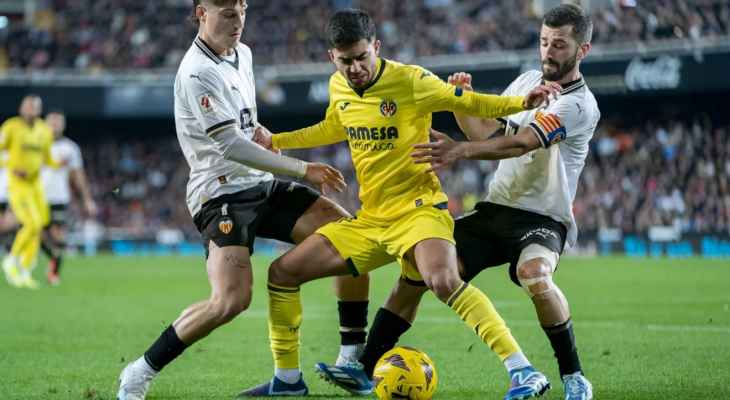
(205, 103)
(388, 108)
(226, 226)
(541, 232)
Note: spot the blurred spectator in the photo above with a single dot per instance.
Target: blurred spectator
(118, 34)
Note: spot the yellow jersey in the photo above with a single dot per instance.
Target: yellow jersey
(28, 147)
(382, 122)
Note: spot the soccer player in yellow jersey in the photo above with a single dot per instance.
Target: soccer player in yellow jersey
(382, 109)
(27, 140)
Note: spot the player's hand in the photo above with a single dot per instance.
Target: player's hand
(541, 95)
(91, 210)
(462, 80)
(20, 173)
(440, 153)
(262, 137)
(325, 177)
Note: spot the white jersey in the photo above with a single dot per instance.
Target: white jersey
(211, 94)
(56, 183)
(544, 181)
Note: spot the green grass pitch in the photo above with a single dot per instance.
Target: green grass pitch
(646, 329)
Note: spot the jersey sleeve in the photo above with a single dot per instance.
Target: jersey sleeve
(75, 160)
(431, 94)
(328, 131)
(207, 95)
(5, 135)
(557, 122)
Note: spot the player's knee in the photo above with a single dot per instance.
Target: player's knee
(534, 268)
(443, 285)
(281, 274)
(536, 277)
(225, 309)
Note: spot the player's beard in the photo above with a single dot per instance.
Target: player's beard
(561, 70)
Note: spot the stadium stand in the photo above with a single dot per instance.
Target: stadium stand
(121, 34)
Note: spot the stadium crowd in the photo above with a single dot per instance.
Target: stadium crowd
(662, 172)
(112, 34)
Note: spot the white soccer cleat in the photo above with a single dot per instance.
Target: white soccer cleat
(577, 387)
(135, 380)
(12, 274)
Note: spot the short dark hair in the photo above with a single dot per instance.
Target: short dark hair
(349, 26)
(196, 3)
(571, 14)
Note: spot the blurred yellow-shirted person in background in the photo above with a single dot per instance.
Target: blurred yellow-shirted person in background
(27, 139)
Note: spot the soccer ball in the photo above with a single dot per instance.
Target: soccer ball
(405, 373)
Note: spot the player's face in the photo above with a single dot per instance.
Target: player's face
(57, 122)
(559, 52)
(31, 107)
(223, 26)
(357, 63)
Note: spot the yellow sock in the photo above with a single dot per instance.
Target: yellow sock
(21, 240)
(477, 311)
(285, 317)
(29, 254)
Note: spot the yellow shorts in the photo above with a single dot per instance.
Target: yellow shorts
(28, 203)
(367, 245)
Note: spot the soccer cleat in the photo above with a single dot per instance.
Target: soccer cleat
(577, 387)
(28, 282)
(526, 383)
(350, 377)
(134, 381)
(275, 388)
(11, 272)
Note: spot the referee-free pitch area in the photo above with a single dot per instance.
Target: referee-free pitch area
(646, 329)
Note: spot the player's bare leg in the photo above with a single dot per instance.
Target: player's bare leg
(351, 292)
(535, 276)
(53, 244)
(231, 280)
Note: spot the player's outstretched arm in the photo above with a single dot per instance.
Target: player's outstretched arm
(432, 95)
(474, 128)
(444, 151)
(233, 147)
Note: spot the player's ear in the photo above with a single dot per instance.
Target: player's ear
(200, 13)
(376, 46)
(583, 50)
(331, 55)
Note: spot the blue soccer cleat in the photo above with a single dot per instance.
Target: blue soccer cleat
(275, 388)
(526, 383)
(351, 377)
(577, 387)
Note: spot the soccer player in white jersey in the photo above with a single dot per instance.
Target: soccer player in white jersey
(527, 216)
(231, 194)
(57, 185)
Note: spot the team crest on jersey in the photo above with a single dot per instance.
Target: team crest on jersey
(206, 103)
(388, 108)
(226, 226)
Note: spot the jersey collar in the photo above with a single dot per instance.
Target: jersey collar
(210, 53)
(569, 87)
(361, 91)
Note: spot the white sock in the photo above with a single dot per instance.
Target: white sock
(141, 363)
(516, 361)
(350, 352)
(288, 375)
